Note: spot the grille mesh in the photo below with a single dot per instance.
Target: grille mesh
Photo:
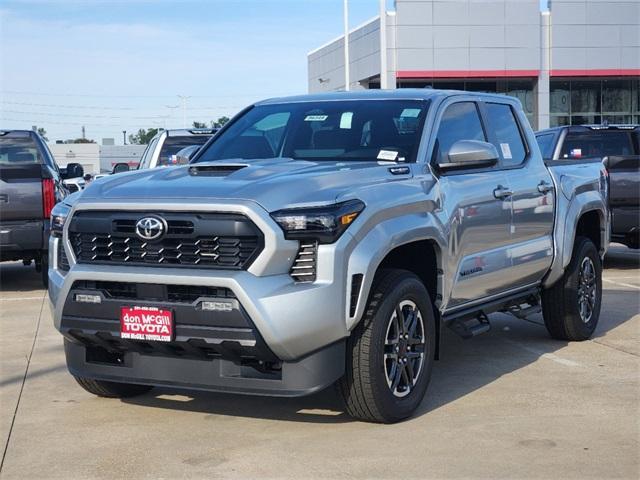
(206, 241)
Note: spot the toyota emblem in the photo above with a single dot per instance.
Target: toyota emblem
(150, 228)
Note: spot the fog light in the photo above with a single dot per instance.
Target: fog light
(217, 306)
(84, 298)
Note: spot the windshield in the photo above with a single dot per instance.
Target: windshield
(331, 130)
(173, 145)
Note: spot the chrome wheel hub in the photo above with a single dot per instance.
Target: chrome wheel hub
(404, 348)
(587, 289)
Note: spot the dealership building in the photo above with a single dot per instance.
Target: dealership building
(577, 63)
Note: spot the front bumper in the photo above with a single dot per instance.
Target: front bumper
(297, 378)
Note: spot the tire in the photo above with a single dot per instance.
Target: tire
(367, 387)
(106, 389)
(561, 303)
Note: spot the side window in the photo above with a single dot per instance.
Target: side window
(508, 142)
(460, 121)
(546, 144)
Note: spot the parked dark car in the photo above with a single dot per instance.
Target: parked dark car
(31, 184)
(619, 147)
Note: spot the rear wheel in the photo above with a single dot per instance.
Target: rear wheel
(571, 307)
(390, 353)
(106, 389)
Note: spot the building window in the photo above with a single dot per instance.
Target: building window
(586, 101)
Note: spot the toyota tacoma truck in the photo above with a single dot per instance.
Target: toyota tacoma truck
(619, 147)
(327, 239)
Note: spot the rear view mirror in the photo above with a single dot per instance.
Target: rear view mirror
(73, 170)
(120, 167)
(470, 154)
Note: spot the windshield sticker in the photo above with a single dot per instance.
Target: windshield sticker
(410, 112)
(315, 118)
(506, 151)
(576, 152)
(345, 120)
(387, 155)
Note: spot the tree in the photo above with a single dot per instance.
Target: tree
(43, 133)
(199, 125)
(143, 137)
(220, 122)
(80, 140)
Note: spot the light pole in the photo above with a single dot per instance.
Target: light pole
(184, 109)
(384, 81)
(346, 45)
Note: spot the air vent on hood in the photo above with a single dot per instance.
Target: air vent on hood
(214, 170)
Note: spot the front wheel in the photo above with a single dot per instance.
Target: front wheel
(390, 353)
(571, 307)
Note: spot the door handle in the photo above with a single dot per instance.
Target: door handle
(544, 187)
(502, 192)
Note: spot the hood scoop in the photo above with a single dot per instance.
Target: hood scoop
(214, 170)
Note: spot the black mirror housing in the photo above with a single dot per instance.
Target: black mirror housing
(73, 170)
(120, 167)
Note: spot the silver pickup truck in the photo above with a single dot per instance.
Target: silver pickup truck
(327, 239)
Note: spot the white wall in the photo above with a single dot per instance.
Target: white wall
(96, 158)
(86, 154)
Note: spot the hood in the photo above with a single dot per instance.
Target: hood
(273, 183)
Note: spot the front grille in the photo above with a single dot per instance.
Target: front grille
(304, 266)
(203, 240)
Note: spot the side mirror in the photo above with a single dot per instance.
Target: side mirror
(73, 170)
(470, 154)
(120, 167)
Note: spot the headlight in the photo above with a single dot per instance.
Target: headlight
(59, 216)
(324, 224)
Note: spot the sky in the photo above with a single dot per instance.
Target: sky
(121, 64)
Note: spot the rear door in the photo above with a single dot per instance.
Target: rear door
(532, 199)
(479, 221)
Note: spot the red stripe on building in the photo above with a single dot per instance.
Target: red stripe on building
(404, 74)
(466, 73)
(613, 72)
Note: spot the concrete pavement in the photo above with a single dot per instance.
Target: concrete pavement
(509, 404)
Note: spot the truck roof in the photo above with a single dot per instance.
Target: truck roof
(397, 94)
(186, 132)
(582, 128)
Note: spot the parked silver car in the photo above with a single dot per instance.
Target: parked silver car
(327, 238)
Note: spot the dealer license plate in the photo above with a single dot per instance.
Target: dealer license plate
(150, 324)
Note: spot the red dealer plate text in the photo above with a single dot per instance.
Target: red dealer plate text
(146, 323)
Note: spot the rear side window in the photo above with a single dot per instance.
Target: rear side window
(596, 144)
(18, 151)
(460, 121)
(508, 139)
(546, 143)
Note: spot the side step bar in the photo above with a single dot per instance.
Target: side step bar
(472, 321)
(471, 327)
